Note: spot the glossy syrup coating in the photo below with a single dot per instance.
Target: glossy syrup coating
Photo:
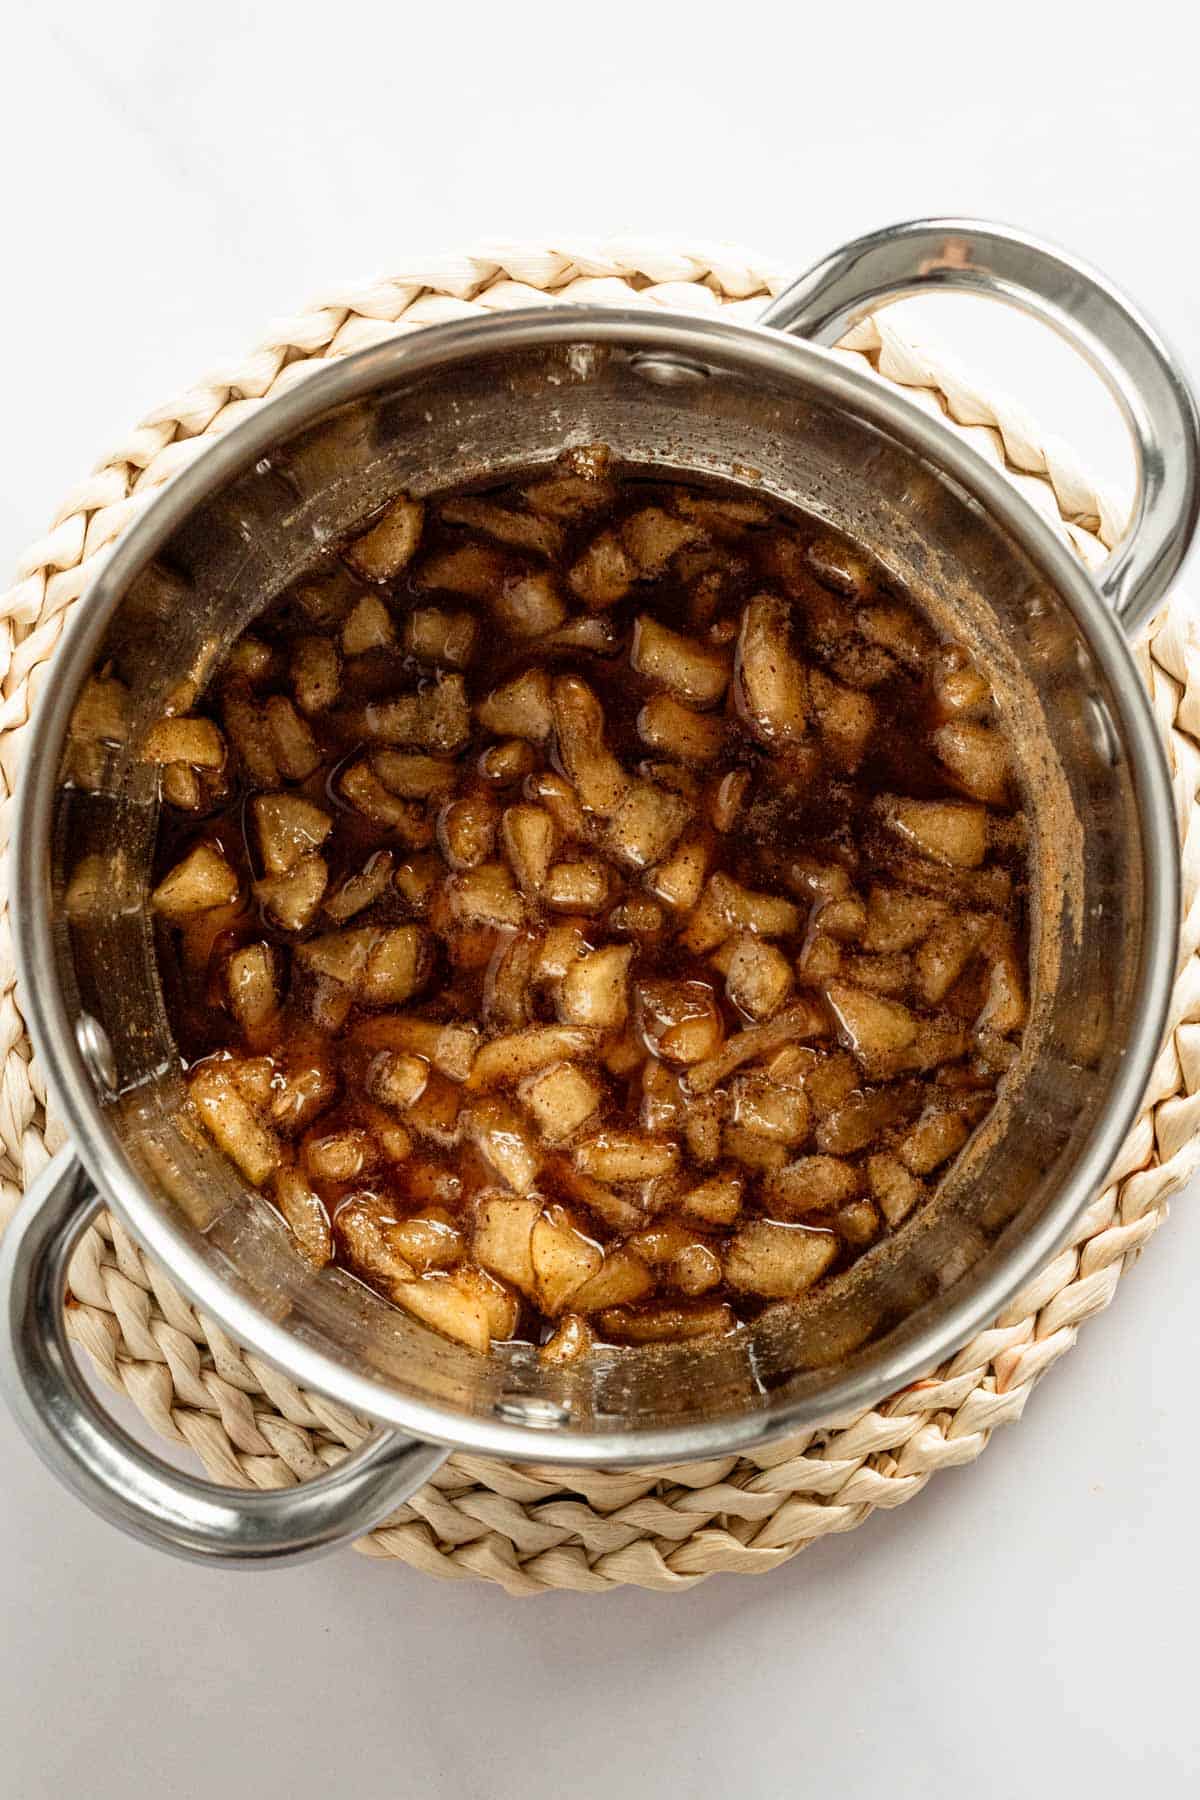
(592, 909)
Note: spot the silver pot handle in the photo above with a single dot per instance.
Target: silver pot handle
(122, 1482)
(965, 256)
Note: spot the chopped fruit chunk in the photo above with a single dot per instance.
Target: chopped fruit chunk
(201, 881)
(613, 896)
(780, 1262)
(772, 684)
(383, 551)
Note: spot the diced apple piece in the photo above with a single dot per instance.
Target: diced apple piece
(702, 1128)
(450, 1048)
(529, 837)
(101, 714)
(449, 1306)
(368, 627)
(959, 690)
(561, 1098)
(780, 1262)
(759, 977)
(652, 537)
(693, 672)
(195, 742)
(840, 566)
(365, 792)
(246, 728)
(895, 1189)
(437, 1112)
(758, 1104)
(875, 1030)
(717, 1201)
(696, 1270)
(636, 917)
(1006, 1008)
(511, 1058)
(858, 1120)
(428, 1241)
(680, 1020)
(181, 787)
(446, 639)
(664, 1103)
(361, 889)
(390, 544)
(726, 907)
(813, 1184)
(315, 673)
(413, 776)
(296, 751)
(520, 708)
(593, 770)
(466, 831)
(621, 1279)
(977, 757)
(679, 881)
(661, 1242)
(946, 952)
(897, 919)
(476, 570)
(397, 1079)
(568, 496)
(664, 1323)
(292, 899)
(507, 527)
(801, 1020)
(232, 1122)
(305, 1215)
(340, 1155)
(626, 1156)
(437, 718)
(718, 513)
(397, 965)
(645, 824)
(511, 972)
(201, 880)
(529, 606)
(507, 763)
(577, 887)
(571, 1341)
(604, 573)
(363, 1228)
(672, 729)
(253, 982)
(771, 681)
(503, 1139)
(758, 1154)
(288, 828)
(417, 880)
(503, 1237)
(948, 831)
(558, 950)
(846, 720)
(594, 990)
(934, 1138)
(485, 895)
(844, 920)
(563, 1259)
(726, 799)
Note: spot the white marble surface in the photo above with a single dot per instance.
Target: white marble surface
(175, 177)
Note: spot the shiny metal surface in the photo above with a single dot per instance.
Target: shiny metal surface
(458, 403)
(966, 256)
(110, 1472)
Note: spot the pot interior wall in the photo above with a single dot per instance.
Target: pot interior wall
(491, 416)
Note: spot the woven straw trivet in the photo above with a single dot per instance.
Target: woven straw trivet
(532, 1528)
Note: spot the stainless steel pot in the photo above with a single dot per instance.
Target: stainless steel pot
(765, 405)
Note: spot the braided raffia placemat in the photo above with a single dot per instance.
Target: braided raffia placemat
(533, 1528)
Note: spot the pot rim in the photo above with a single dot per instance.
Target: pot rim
(753, 348)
